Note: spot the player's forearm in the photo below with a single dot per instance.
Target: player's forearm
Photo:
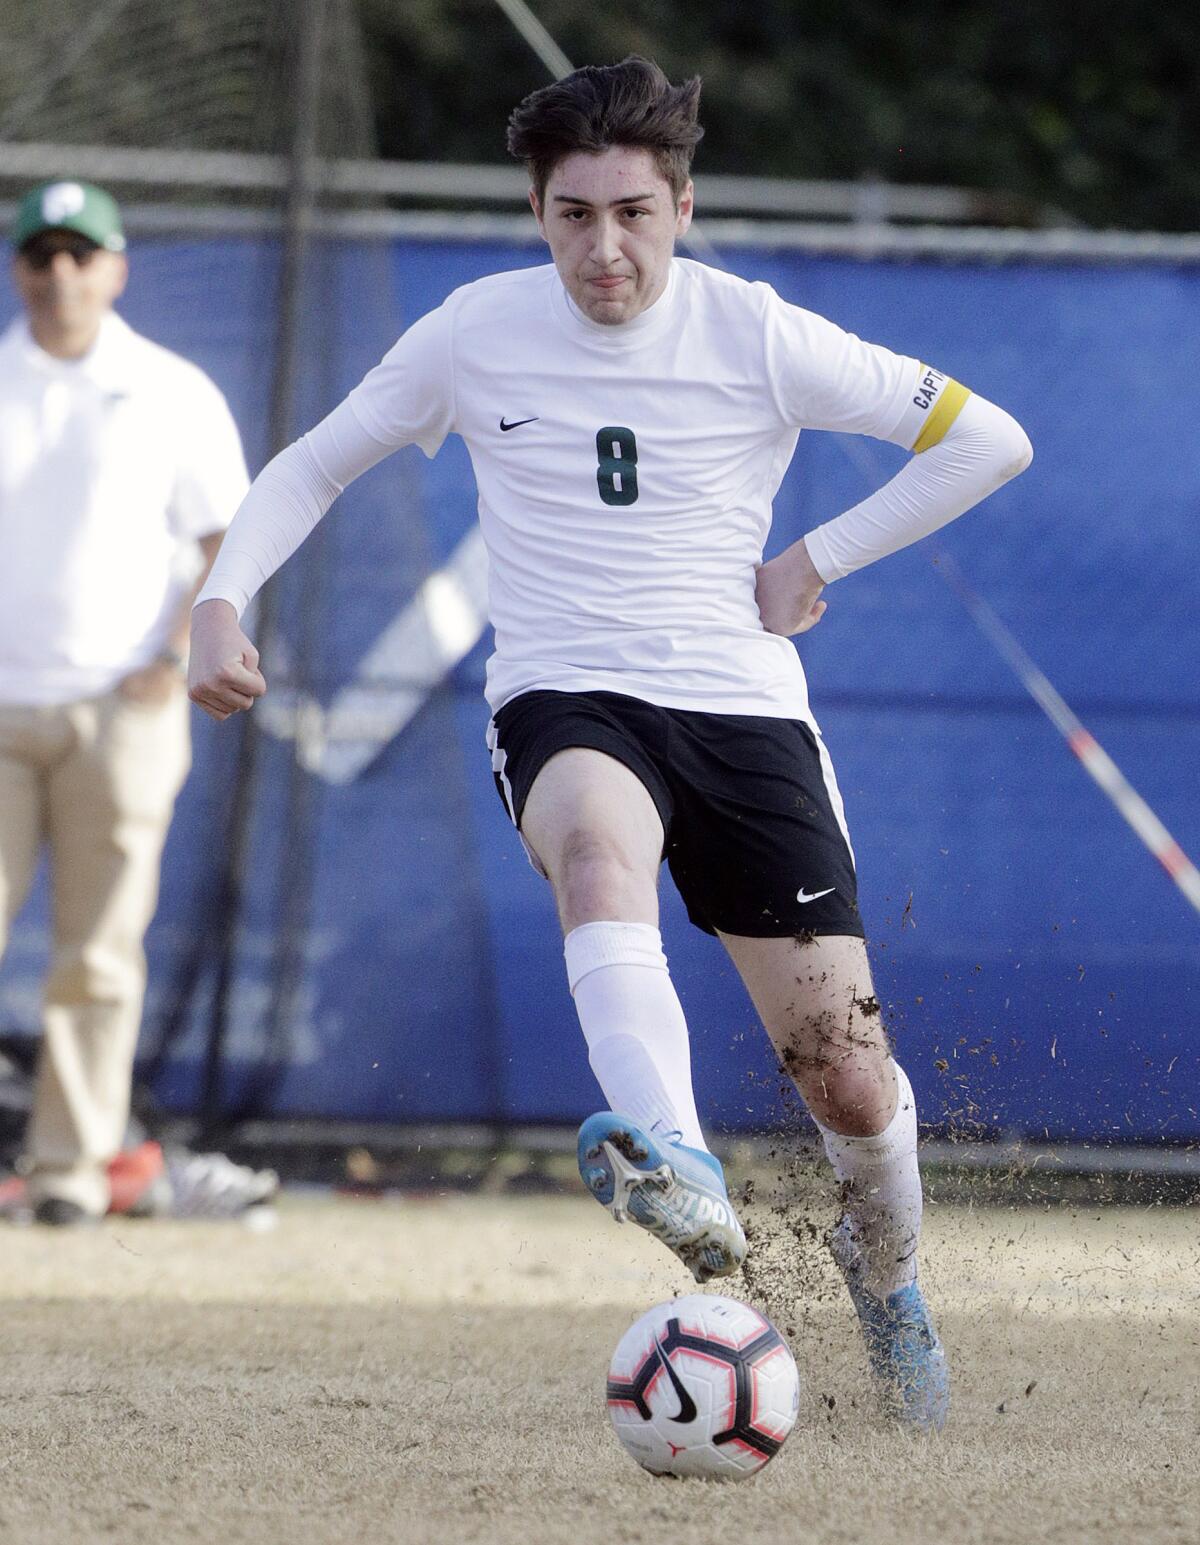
(982, 449)
(285, 502)
(287, 499)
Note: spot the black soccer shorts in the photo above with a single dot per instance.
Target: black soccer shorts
(753, 840)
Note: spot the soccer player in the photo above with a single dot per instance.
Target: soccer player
(629, 417)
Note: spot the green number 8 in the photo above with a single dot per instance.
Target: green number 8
(616, 472)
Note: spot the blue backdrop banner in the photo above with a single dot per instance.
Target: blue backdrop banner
(373, 946)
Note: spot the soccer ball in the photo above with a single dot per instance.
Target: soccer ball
(703, 1386)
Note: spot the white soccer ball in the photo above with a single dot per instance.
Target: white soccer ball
(703, 1386)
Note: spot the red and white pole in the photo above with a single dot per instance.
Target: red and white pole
(1095, 759)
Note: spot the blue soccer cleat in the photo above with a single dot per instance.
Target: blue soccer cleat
(906, 1357)
(676, 1193)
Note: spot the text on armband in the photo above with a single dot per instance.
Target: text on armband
(929, 386)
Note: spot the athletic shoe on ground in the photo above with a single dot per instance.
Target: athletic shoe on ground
(906, 1357)
(145, 1182)
(58, 1212)
(148, 1182)
(676, 1193)
(209, 1185)
(53, 1211)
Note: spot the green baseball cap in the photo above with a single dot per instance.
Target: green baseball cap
(70, 206)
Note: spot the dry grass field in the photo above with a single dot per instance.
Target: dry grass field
(431, 1370)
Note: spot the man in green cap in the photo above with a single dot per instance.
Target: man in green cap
(120, 467)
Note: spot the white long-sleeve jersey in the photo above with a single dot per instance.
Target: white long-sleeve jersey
(626, 473)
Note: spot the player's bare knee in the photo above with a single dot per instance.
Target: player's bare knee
(594, 878)
(850, 1093)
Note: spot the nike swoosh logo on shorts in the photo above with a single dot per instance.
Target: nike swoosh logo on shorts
(516, 423)
(803, 896)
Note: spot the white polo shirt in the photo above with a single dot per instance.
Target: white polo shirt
(111, 467)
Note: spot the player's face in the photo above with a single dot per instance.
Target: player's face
(67, 283)
(611, 223)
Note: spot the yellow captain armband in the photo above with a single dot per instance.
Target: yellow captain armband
(941, 400)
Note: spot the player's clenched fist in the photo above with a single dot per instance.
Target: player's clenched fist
(786, 591)
(223, 673)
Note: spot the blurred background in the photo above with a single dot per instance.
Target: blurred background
(350, 948)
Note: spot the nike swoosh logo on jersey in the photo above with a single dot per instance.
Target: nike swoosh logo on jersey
(803, 896)
(505, 426)
(687, 1406)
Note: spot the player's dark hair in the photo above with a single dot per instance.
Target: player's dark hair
(631, 103)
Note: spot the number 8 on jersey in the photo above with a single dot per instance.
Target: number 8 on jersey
(616, 469)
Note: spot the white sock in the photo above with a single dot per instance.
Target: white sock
(881, 1190)
(634, 1026)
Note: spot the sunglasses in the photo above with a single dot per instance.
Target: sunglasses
(39, 252)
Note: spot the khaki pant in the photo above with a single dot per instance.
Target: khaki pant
(96, 781)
